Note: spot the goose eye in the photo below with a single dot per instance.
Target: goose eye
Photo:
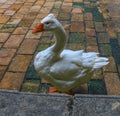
(47, 23)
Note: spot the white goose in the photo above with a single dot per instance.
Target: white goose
(64, 69)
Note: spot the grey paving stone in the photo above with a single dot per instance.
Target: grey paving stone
(93, 105)
(24, 104)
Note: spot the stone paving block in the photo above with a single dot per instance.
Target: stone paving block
(91, 40)
(77, 10)
(34, 104)
(77, 17)
(77, 27)
(112, 33)
(18, 16)
(26, 22)
(7, 28)
(88, 16)
(101, 105)
(20, 63)
(28, 46)
(20, 30)
(45, 10)
(4, 36)
(14, 21)
(33, 36)
(103, 38)
(6, 56)
(30, 87)
(2, 71)
(111, 67)
(12, 81)
(105, 49)
(64, 16)
(89, 24)
(14, 41)
(112, 79)
(92, 48)
(90, 32)
(100, 27)
(15, 6)
(5, 6)
(67, 9)
(2, 10)
(9, 12)
(76, 46)
(4, 18)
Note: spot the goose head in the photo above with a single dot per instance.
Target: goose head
(49, 23)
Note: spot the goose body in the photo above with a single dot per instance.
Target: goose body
(65, 69)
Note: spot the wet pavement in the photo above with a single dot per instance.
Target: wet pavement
(92, 25)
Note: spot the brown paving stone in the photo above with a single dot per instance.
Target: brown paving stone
(20, 63)
(77, 0)
(77, 17)
(111, 67)
(14, 21)
(42, 15)
(90, 32)
(45, 10)
(67, 0)
(21, 30)
(5, 6)
(6, 56)
(97, 74)
(28, 46)
(88, 16)
(40, 2)
(89, 24)
(7, 28)
(1, 25)
(67, 9)
(1, 45)
(2, 71)
(4, 36)
(112, 83)
(67, 4)
(2, 10)
(30, 0)
(24, 9)
(77, 10)
(4, 19)
(77, 27)
(92, 48)
(26, 22)
(64, 16)
(112, 33)
(76, 46)
(14, 41)
(9, 12)
(15, 7)
(35, 8)
(91, 40)
(12, 81)
(100, 27)
(19, 16)
(33, 36)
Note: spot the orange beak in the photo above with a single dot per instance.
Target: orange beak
(40, 28)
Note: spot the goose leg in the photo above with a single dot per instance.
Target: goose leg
(55, 90)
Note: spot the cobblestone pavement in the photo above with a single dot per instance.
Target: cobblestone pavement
(92, 25)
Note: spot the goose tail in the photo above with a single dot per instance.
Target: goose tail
(100, 62)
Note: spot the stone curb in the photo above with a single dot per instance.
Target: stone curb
(13, 103)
